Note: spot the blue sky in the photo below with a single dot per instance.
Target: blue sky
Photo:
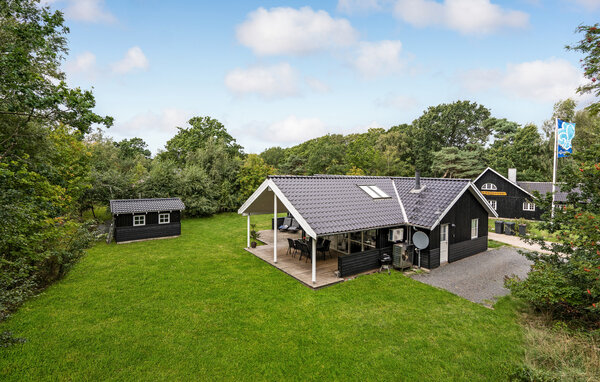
(278, 73)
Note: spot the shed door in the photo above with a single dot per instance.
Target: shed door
(443, 243)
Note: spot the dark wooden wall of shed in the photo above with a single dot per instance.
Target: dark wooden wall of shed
(511, 205)
(460, 244)
(126, 231)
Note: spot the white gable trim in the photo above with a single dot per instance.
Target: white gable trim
(505, 178)
(476, 193)
(268, 183)
(400, 202)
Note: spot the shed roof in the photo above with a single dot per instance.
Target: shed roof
(125, 206)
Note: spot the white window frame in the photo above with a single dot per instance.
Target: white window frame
(489, 187)
(168, 215)
(527, 206)
(474, 228)
(374, 192)
(494, 204)
(138, 223)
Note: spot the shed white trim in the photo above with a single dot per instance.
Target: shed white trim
(404, 216)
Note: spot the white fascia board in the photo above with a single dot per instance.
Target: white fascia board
(292, 210)
(450, 206)
(483, 200)
(505, 178)
(400, 202)
(253, 197)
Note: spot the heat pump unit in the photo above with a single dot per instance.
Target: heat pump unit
(396, 235)
(402, 256)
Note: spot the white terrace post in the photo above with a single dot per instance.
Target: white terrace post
(314, 260)
(248, 231)
(274, 227)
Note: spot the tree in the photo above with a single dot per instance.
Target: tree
(362, 152)
(132, 148)
(201, 131)
(589, 45)
(451, 162)
(396, 151)
(521, 148)
(32, 85)
(273, 156)
(252, 173)
(448, 125)
(566, 282)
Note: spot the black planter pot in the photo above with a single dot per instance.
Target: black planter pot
(253, 244)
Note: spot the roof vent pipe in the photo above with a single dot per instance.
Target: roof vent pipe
(417, 180)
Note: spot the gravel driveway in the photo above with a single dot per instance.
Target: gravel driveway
(480, 277)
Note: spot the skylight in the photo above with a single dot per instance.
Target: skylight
(374, 192)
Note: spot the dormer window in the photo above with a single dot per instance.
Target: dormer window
(374, 192)
(489, 186)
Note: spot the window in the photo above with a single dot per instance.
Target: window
(363, 240)
(489, 186)
(494, 204)
(474, 228)
(444, 232)
(139, 220)
(528, 206)
(164, 218)
(374, 192)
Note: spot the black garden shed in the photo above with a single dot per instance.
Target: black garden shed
(142, 219)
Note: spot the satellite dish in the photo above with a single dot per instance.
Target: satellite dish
(420, 239)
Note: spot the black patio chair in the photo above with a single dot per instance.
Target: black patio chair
(324, 248)
(291, 247)
(305, 252)
(294, 226)
(285, 225)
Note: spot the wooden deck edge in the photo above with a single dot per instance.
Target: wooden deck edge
(292, 276)
(150, 238)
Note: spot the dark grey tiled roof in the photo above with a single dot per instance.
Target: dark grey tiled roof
(331, 204)
(426, 207)
(546, 187)
(124, 206)
(335, 203)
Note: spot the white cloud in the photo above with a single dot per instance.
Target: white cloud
(589, 4)
(352, 6)
(134, 59)
(477, 17)
(92, 11)
(541, 80)
(316, 85)
(278, 80)
(378, 58)
(156, 128)
(295, 130)
(397, 101)
(292, 31)
(83, 64)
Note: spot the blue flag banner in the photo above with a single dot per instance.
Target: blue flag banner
(565, 133)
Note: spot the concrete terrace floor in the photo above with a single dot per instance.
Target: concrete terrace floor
(300, 270)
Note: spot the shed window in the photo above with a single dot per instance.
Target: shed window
(374, 192)
(489, 186)
(139, 220)
(164, 218)
(528, 206)
(494, 204)
(474, 228)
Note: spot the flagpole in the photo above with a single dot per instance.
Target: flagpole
(554, 166)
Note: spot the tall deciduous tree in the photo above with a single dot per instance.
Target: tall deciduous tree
(448, 125)
(589, 45)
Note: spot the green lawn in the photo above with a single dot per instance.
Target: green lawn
(200, 307)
